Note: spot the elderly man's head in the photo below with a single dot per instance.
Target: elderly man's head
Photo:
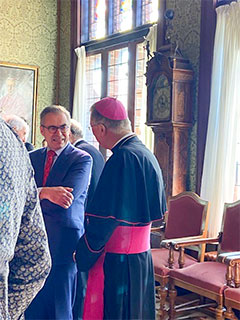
(109, 121)
(76, 132)
(19, 125)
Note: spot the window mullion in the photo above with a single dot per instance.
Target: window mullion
(131, 82)
(138, 12)
(107, 18)
(134, 13)
(89, 18)
(104, 64)
(104, 73)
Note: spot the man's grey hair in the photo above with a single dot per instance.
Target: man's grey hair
(17, 123)
(55, 109)
(117, 126)
(76, 129)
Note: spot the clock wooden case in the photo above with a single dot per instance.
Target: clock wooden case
(169, 79)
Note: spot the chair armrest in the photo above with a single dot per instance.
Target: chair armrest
(229, 257)
(192, 241)
(158, 229)
(232, 260)
(166, 243)
(211, 256)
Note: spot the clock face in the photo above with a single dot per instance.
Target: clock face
(161, 99)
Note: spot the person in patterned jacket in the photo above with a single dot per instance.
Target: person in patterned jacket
(24, 254)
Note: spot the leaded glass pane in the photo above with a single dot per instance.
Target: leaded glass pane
(140, 93)
(118, 74)
(97, 20)
(93, 85)
(122, 15)
(149, 11)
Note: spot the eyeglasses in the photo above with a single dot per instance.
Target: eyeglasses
(94, 125)
(53, 129)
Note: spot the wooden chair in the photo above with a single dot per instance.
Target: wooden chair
(232, 292)
(187, 216)
(207, 279)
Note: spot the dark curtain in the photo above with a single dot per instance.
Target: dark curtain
(208, 25)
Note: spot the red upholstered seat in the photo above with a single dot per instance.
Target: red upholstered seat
(210, 276)
(233, 295)
(187, 216)
(160, 261)
(209, 279)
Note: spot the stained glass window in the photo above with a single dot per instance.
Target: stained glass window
(140, 110)
(93, 88)
(149, 11)
(118, 74)
(113, 32)
(122, 15)
(103, 18)
(98, 21)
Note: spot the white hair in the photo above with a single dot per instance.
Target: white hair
(17, 123)
(76, 129)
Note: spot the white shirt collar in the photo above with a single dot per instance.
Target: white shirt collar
(126, 135)
(59, 151)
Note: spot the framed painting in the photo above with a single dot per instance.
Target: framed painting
(18, 93)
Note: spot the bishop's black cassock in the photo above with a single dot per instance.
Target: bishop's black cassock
(116, 244)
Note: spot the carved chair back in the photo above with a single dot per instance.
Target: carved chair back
(187, 216)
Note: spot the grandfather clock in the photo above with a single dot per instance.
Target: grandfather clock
(169, 79)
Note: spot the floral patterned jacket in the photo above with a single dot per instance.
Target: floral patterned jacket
(24, 255)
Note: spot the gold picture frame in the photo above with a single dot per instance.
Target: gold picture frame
(18, 93)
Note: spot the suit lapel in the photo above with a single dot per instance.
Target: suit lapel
(40, 164)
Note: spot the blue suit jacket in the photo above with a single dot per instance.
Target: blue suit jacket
(64, 226)
(97, 168)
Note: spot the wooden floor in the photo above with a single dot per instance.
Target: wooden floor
(194, 315)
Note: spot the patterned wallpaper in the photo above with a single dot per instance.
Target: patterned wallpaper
(185, 29)
(28, 31)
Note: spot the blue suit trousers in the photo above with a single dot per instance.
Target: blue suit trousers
(56, 298)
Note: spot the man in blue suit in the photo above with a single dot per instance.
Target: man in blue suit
(62, 174)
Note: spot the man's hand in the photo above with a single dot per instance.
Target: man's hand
(58, 195)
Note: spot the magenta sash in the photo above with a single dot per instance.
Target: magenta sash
(124, 240)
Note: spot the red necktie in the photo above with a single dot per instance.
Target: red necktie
(48, 165)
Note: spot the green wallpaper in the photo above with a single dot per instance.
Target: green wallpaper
(186, 31)
(28, 31)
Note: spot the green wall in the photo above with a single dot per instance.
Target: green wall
(28, 30)
(186, 31)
